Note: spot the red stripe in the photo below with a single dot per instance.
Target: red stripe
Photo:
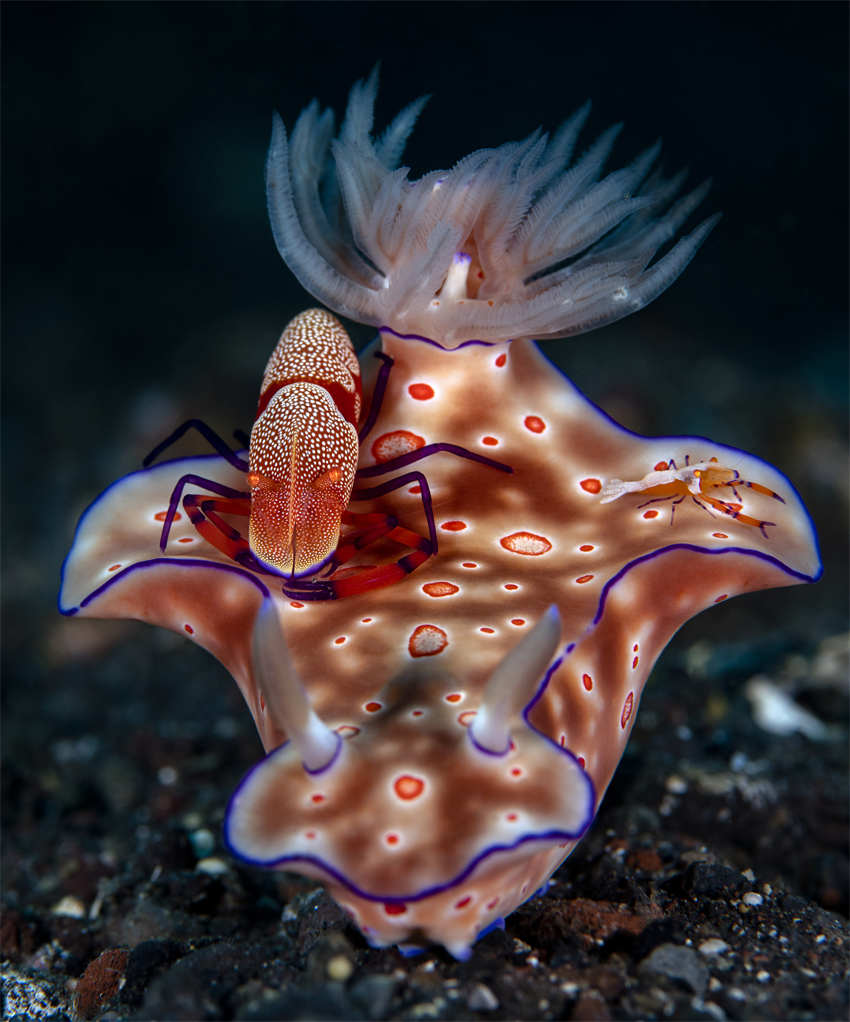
(345, 400)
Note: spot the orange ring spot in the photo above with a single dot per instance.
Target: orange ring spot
(437, 589)
(628, 706)
(427, 640)
(395, 443)
(529, 544)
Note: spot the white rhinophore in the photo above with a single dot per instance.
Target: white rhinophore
(285, 695)
(514, 682)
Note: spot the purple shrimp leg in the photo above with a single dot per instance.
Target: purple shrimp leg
(377, 395)
(326, 589)
(212, 438)
(176, 493)
(424, 452)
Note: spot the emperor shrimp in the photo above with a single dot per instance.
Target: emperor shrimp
(699, 480)
(301, 473)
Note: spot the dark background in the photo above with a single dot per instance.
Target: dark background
(142, 285)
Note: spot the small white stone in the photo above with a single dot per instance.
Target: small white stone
(763, 976)
(69, 906)
(211, 866)
(775, 711)
(167, 775)
(675, 784)
(339, 968)
(749, 875)
(753, 898)
(482, 998)
(820, 939)
(713, 946)
(202, 841)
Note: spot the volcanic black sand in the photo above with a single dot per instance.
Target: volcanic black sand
(141, 287)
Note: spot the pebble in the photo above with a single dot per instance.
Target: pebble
(167, 775)
(753, 898)
(482, 998)
(679, 963)
(202, 841)
(339, 968)
(26, 997)
(212, 866)
(676, 785)
(69, 906)
(713, 946)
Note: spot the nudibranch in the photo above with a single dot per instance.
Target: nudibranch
(436, 748)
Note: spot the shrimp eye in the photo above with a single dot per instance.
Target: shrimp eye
(257, 479)
(697, 473)
(327, 479)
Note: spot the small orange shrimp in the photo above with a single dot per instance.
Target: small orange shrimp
(302, 469)
(668, 482)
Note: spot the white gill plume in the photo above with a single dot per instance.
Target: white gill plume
(550, 249)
